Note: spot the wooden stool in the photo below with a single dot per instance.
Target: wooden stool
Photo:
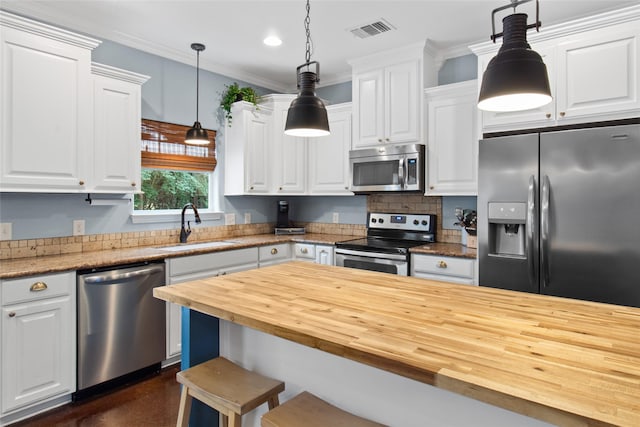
(308, 410)
(227, 388)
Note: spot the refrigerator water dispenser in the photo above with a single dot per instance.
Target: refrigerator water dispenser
(507, 228)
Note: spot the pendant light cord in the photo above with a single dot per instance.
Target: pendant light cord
(197, 85)
(307, 21)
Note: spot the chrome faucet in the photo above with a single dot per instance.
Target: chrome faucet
(184, 233)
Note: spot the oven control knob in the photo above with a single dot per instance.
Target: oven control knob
(424, 222)
(381, 220)
(374, 220)
(416, 222)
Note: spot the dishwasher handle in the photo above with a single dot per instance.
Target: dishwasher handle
(117, 276)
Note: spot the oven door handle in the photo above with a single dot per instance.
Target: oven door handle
(395, 257)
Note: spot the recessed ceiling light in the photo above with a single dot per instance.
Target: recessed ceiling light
(272, 41)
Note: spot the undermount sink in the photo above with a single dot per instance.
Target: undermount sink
(203, 245)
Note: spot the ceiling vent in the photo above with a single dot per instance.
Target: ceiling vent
(372, 29)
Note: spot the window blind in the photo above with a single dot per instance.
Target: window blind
(162, 147)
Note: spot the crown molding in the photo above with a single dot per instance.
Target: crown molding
(118, 73)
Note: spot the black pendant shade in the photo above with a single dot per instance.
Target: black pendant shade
(307, 115)
(196, 135)
(516, 78)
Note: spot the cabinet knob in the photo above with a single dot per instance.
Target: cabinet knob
(224, 273)
(548, 115)
(251, 188)
(12, 314)
(304, 250)
(38, 287)
(81, 182)
(280, 188)
(562, 113)
(442, 264)
(386, 139)
(431, 187)
(346, 188)
(379, 139)
(133, 184)
(274, 251)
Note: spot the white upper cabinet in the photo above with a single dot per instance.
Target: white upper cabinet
(46, 117)
(289, 153)
(387, 96)
(594, 72)
(452, 139)
(247, 150)
(329, 155)
(261, 159)
(117, 102)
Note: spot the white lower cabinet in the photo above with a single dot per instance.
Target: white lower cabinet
(196, 267)
(38, 342)
(443, 268)
(274, 254)
(320, 254)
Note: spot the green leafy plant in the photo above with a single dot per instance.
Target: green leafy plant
(236, 93)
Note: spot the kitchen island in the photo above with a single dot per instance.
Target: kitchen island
(563, 361)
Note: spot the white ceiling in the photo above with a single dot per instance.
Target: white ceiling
(233, 30)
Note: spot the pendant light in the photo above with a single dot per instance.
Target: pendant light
(196, 135)
(307, 115)
(516, 78)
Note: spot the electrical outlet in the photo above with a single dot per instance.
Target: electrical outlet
(5, 231)
(230, 219)
(78, 227)
(247, 217)
(336, 217)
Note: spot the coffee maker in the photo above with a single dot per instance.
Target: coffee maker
(283, 224)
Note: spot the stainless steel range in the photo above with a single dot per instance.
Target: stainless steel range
(389, 238)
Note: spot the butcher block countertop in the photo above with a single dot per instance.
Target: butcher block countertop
(568, 362)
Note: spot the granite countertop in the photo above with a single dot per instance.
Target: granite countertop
(445, 249)
(20, 267)
(564, 361)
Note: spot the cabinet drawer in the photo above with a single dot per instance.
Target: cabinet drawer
(446, 266)
(210, 261)
(274, 252)
(37, 287)
(305, 251)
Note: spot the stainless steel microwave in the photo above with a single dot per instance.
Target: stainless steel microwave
(387, 168)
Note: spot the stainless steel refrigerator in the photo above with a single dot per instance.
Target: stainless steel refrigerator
(559, 213)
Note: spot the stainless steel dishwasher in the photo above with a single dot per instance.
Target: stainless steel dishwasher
(121, 326)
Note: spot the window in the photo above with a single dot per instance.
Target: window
(173, 173)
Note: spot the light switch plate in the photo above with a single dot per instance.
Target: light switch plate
(78, 227)
(247, 217)
(5, 231)
(229, 219)
(336, 217)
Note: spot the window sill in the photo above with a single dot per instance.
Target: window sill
(141, 217)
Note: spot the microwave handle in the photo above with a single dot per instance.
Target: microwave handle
(401, 175)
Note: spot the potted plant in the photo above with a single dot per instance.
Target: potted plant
(468, 219)
(235, 93)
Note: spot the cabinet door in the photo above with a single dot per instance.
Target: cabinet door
(452, 157)
(402, 102)
(257, 152)
(542, 116)
(598, 73)
(116, 135)
(46, 114)
(288, 161)
(324, 255)
(329, 157)
(174, 329)
(368, 99)
(38, 351)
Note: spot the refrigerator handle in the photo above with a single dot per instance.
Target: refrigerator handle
(530, 224)
(544, 231)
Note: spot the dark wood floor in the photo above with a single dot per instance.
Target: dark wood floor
(150, 402)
